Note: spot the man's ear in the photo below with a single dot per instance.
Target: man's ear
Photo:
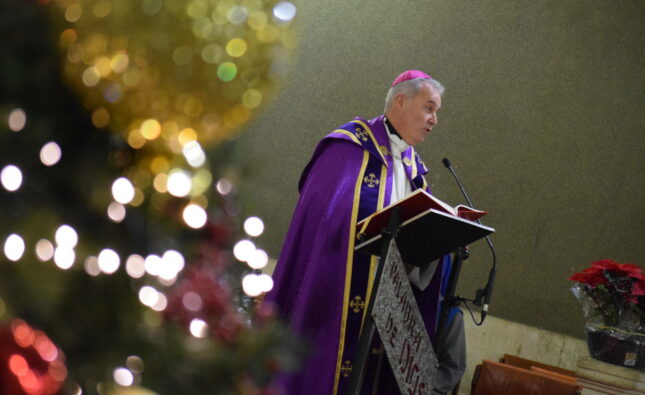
(399, 99)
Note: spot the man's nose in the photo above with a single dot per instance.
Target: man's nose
(433, 119)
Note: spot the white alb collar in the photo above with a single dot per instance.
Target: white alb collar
(397, 144)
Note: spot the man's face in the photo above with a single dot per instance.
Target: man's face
(418, 114)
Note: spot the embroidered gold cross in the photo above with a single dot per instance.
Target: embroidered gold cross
(357, 304)
(360, 133)
(346, 369)
(385, 151)
(371, 180)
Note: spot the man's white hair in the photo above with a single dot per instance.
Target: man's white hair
(410, 88)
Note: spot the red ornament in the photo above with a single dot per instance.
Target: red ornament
(30, 363)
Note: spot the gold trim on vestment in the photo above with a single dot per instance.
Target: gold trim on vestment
(384, 150)
(415, 171)
(369, 131)
(349, 134)
(348, 267)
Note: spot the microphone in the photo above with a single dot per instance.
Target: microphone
(487, 292)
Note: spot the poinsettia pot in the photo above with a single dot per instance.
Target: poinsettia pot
(617, 348)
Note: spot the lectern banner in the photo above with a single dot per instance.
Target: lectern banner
(400, 325)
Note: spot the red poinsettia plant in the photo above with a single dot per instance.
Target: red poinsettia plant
(612, 295)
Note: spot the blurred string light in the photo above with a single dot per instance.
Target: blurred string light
(172, 263)
(17, 119)
(194, 216)
(44, 250)
(227, 71)
(50, 154)
(179, 183)
(66, 239)
(186, 135)
(256, 284)
(11, 178)
(152, 298)
(284, 11)
(148, 295)
(150, 129)
(224, 186)
(152, 264)
(194, 154)
(192, 301)
(116, 212)
(64, 257)
(258, 259)
(23, 334)
(123, 376)
(135, 266)
(243, 250)
(109, 261)
(14, 247)
(66, 236)
(253, 226)
(166, 267)
(198, 328)
(265, 281)
(122, 190)
(160, 183)
(91, 266)
(236, 47)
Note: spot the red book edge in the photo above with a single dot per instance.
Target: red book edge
(415, 203)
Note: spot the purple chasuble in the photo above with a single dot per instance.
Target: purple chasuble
(321, 285)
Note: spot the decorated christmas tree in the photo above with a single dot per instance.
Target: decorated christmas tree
(127, 265)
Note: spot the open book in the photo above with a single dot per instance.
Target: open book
(413, 204)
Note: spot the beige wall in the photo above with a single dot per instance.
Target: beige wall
(542, 118)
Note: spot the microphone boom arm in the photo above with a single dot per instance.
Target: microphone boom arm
(487, 292)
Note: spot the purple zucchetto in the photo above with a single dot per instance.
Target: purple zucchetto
(410, 75)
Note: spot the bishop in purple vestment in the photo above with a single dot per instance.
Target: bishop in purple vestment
(321, 285)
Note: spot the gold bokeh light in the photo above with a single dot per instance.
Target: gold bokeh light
(173, 78)
(208, 45)
(150, 129)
